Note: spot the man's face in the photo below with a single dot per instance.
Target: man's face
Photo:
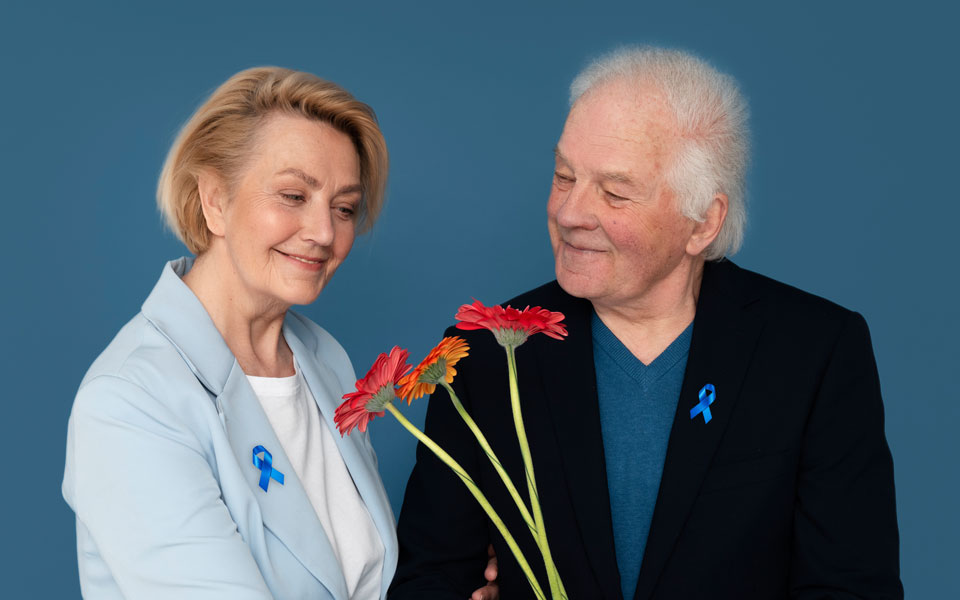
(617, 238)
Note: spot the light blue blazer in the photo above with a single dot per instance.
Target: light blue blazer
(160, 469)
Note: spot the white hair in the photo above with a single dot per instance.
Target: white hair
(712, 117)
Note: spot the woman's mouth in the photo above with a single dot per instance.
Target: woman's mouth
(305, 261)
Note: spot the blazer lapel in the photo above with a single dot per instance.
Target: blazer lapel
(572, 402)
(725, 334)
(326, 389)
(285, 509)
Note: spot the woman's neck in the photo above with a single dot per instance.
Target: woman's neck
(252, 327)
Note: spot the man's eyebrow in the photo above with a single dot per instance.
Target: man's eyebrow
(617, 177)
(307, 179)
(612, 176)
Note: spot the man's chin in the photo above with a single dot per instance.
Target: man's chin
(575, 284)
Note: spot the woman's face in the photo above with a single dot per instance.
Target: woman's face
(291, 218)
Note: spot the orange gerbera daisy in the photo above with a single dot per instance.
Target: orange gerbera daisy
(374, 392)
(436, 367)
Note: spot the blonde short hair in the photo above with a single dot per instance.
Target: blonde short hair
(221, 132)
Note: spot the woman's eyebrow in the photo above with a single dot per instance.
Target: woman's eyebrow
(299, 174)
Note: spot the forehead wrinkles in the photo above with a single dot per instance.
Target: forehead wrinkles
(621, 127)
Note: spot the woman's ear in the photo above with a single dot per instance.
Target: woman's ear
(213, 200)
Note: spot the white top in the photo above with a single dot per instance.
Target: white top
(312, 450)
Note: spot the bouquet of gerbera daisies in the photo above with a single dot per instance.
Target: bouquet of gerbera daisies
(391, 377)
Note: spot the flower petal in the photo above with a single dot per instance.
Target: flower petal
(450, 350)
(497, 319)
(355, 411)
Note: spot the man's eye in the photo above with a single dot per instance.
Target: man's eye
(563, 181)
(292, 197)
(613, 196)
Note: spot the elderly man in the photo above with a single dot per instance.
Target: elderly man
(703, 432)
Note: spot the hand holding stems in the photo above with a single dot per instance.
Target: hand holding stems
(490, 591)
(438, 369)
(376, 393)
(535, 522)
(511, 328)
(477, 494)
(556, 585)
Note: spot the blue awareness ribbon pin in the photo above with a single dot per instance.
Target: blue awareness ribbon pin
(707, 395)
(265, 465)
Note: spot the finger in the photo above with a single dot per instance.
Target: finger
(491, 572)
(491, 591)
(479, 595)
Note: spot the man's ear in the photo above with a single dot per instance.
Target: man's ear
(704, 233)
(213, 199)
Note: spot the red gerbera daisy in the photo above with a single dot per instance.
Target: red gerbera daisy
(510, 326)
(374, 392)
(436, 367)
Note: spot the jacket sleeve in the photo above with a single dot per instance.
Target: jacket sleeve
(442, 531)
(148, 499)
(845, 524)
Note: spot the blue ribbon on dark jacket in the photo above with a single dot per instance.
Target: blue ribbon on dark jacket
(707, 395)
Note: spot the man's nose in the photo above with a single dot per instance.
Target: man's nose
(576, 210)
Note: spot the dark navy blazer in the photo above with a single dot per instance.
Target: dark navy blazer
(787, 492)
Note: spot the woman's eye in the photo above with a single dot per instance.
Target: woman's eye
(293, 197)
(346, 211)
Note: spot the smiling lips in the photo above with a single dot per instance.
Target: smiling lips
(313, 264)
(576, 248)
(309, 262)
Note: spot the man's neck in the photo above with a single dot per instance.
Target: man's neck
(648, 326)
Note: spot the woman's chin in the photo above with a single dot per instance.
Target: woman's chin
(303, 298)
(298, 293)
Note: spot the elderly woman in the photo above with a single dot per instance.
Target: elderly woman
(200, 455)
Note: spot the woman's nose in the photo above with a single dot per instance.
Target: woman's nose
(318, 225)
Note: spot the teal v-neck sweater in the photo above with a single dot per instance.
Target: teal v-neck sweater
(637, 405)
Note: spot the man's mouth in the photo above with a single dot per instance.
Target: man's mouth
(577, 248)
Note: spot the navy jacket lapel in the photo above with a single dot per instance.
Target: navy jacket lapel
(725, 334)
(572, 402)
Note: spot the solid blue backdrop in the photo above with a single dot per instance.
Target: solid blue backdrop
(852, 196)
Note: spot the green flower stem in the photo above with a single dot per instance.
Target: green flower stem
(556, 585)
(484, 503)
(482, 440)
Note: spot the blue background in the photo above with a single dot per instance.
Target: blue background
(853, 196)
